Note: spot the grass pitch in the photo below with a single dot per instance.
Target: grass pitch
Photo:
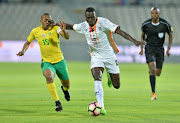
(24, 96)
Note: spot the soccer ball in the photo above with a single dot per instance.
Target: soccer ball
(94, 109)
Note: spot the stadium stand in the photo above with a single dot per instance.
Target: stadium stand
(19, 18)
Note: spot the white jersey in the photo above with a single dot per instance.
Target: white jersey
(97, 38)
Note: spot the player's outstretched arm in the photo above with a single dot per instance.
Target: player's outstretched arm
(25, 47)
(169, 45)
(63, 31)
(69, 26)
(142, 39)
(128, 37)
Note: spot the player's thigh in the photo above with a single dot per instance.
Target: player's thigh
(150, 54)
(61, 70)
(96, 62)
(97, 73)
(115, 78)
(112, 66)
(159, 58)
(158, 71)
(97, 68)
(48, 69)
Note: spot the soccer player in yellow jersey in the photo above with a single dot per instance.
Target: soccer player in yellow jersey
(53, 62)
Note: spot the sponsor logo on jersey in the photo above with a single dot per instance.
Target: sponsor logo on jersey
(49, 33)
(43, 35)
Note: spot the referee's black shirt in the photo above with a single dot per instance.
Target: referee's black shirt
(155, 33)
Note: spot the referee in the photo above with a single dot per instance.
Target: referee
(153, 32)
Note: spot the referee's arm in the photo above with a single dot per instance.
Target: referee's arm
(169, 44)
(142, 39)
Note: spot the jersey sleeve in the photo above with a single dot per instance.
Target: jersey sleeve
(143, 27)
(169, 28)
(109, 25)
(31, 36)
(79, 27)
(58, 30)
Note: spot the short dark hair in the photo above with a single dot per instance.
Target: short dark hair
(90, 9)
(44, 14)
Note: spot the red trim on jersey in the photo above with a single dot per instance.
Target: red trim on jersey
(94, 27)
(94, 24)
(96, 34)
(90, 35)
(90, 50)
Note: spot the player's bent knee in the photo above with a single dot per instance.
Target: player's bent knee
(97, 78)
(158, 74)
(116, 86)
(153, 71)
(49, 78)
(66, 83)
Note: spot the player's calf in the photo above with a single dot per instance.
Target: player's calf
(66, 94)
(116, 85)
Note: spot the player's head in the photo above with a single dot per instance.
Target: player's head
(90, 15)
(155, 13)
(46, 20)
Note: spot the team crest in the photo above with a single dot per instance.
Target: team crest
(100, 28)
(49, 33)
(161, 35)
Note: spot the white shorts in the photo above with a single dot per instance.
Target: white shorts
(110, 65)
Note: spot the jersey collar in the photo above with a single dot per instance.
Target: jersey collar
(155, 24)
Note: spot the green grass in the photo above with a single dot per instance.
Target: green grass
(24, 96)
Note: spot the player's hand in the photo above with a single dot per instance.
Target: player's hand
(141, 52)
(51, 22)
(137, 43)
(62, 25)
(21, 53)
(167, 52)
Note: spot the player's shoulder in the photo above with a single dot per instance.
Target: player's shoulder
(81, 25)
(102, 19)
(55, 27)
(147, 22)
(37, 28)
(162, 20)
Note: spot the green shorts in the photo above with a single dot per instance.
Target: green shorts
(59, 68)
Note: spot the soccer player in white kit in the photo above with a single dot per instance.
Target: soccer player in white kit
(102, 53)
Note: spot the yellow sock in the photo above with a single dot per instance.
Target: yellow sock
(66, 89)
(52, 90)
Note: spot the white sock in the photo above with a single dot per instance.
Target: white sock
(99, 92)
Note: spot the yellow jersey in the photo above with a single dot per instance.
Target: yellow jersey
(49, 43)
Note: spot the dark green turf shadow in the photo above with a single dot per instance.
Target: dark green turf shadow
(17, 111)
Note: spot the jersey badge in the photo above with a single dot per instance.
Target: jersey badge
(43, 35)
(49, 33)
(161, 35)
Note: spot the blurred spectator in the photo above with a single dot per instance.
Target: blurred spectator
(4, 1)
(140, 2)
(121, 2)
